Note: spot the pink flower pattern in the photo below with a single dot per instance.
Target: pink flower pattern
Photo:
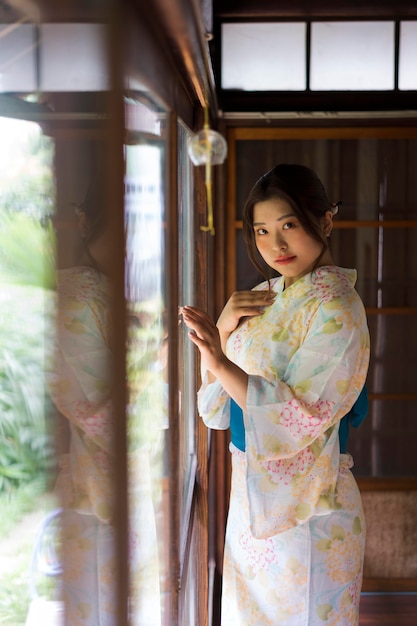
(300, 423)
(258, 556)
(286, 470)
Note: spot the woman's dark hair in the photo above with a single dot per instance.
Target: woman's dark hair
(92, 216)
(302, 189)
(94, 206)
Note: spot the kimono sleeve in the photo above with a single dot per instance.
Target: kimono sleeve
(213, 404)
(80, 384)
(322, 380)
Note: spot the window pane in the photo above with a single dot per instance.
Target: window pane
(263, 57)
(186, 352)
(17, 58)
(407, 75)
(29, 511)
(147, 364)
(81, 49)
(352, 56)
(189, 610)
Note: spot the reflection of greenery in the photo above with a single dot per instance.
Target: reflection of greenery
(27, 186)
(26, 267)
(27, 251)
(25, 448)
(27, 198)
(13, 508)
(145, 366)
(26, 315)
(17, 549)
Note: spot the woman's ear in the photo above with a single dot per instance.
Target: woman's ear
(327, 223)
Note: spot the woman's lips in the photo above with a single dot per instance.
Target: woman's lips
(284, 260)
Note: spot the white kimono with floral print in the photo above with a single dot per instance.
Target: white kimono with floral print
(81, 388)
(307, 358)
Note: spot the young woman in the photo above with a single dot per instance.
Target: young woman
(293, 355)
(81, 387)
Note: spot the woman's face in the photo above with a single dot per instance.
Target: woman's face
(282, 241)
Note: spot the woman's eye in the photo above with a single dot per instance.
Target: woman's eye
(261, 231)
(288, 225)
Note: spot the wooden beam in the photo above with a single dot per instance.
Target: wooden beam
(248, 101)
(386, 609)
(313, 132)
(319, 9)
(391, 585)
(182, 25)
(378, 483)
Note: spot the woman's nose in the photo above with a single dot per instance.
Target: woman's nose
(279, 243)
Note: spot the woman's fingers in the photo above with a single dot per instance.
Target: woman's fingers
(253, 297)
(243, 304)
(194, 315)
(245, 301)
(240, 304)
(198, 321)
(205, 335)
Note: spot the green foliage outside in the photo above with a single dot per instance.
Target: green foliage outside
(26, 310)
(26, 334)
(25, 436)
(18, 520)
(27, 256)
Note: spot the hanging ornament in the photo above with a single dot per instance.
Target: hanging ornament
(207, 147)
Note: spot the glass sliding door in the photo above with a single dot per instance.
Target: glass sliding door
(147, 364)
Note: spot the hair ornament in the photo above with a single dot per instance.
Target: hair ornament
(334, 208)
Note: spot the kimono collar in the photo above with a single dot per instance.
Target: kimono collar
(338, 280)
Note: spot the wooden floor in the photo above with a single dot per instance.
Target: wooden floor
(390, 609)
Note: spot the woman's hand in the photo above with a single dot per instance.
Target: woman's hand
(205, 335)
(243, 304)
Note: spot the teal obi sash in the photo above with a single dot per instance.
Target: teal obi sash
(354, 418)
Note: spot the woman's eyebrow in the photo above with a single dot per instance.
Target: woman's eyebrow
(283, 217)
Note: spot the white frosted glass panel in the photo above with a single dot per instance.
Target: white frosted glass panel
(352, 56)
(263, 57)
(17, 58)
(407, 74)
(73, 57)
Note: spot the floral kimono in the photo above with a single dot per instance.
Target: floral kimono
(295, 531)
(81, 388)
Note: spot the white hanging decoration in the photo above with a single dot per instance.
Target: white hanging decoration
(207, 147)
